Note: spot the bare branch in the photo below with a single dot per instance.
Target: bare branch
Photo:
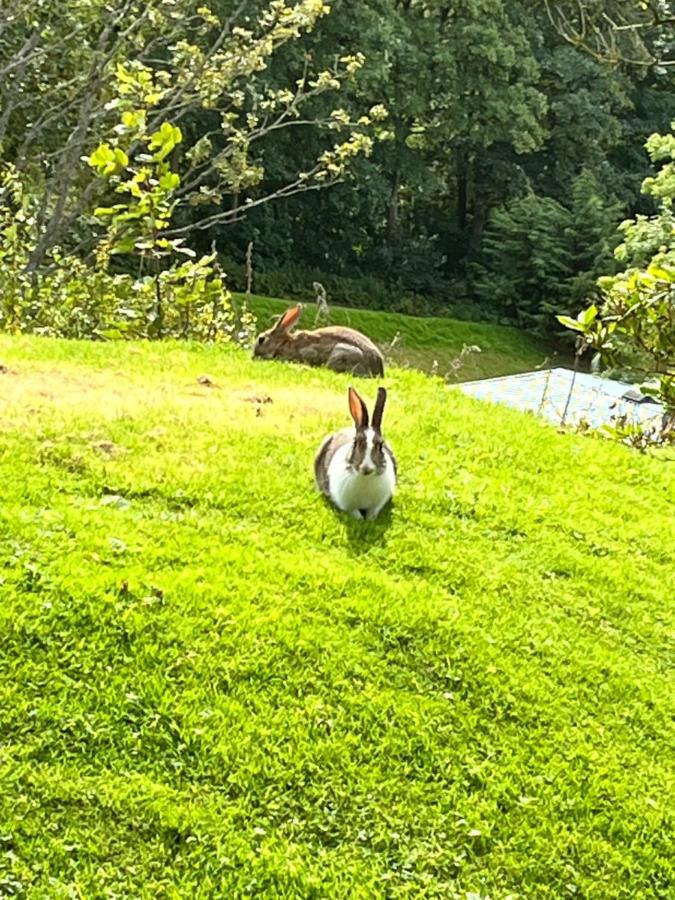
(626, 34)
(299, 186)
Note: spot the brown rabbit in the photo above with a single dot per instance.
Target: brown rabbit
(339, 348)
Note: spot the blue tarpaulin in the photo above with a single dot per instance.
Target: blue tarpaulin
(594, 400)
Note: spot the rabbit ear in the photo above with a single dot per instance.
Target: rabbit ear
(289, 318)
(358, 409)
(379, 409)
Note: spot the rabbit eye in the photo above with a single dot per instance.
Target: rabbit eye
(261, 339)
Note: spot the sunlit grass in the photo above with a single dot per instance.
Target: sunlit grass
(431, 344)
(215, 686)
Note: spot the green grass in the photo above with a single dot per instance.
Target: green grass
(215, 686)
(431, 344)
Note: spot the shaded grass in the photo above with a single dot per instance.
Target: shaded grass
(431, 344)
(214, 686)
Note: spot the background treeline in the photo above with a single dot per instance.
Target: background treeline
(512, 157)
(473, 158)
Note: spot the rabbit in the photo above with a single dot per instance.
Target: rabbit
(356, 468)
(337, 347)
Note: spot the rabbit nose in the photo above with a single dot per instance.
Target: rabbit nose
(367, 470)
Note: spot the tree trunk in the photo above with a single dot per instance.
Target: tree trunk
(392, 210)
(462, 175)
(481, 209)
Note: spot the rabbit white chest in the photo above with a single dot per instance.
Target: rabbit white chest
(355, 492)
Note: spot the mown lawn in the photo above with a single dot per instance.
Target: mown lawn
(214, 686)
(430, 344)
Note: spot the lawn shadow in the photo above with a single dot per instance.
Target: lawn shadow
(362, 536)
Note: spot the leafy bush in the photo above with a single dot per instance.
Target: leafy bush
(77, 300)
(634, 323)
(294, 281)
(363, 292)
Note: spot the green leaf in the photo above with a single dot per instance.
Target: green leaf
(660, 273)
(108, 161)
(169, 181)
(186, 251)
(569, 322)
(133, 118)
(109, 210)
(121, 158)
(124, 76)
(164, 140)
(606, 282)
(587, 316)
(125, 245)
(102, 156)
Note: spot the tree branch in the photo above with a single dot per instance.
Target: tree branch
(299, 186)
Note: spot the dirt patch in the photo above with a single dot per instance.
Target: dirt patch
(62, 386)
(42, 393)
(108, 449)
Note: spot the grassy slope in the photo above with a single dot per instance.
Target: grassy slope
(425, 341)
(214, 686)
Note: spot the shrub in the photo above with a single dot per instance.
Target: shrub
(633, 325)
(78, 301)
(295, 282)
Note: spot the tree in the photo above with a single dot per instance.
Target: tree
(633, 324)
(592, 239)
(525, 261)
(488, 104)
(540, 257)
(488, 88)
(459, 83)
(158, 112)
(86, 72)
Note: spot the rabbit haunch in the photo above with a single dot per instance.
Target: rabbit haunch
(336, 347)
(355, 468)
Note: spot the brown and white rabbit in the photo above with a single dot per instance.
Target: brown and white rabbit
(356, 468)
(337, 347)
